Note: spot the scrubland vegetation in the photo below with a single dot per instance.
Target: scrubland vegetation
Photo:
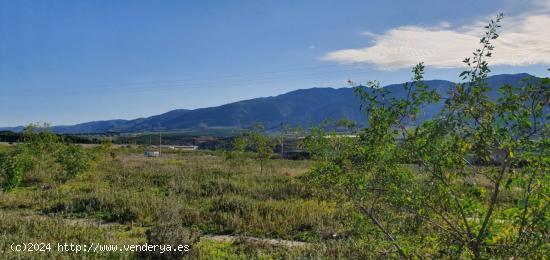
(129, 199)
(472, 183)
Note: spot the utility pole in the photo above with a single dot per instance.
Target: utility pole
(160, 143)
(283, 129)
(282, 145)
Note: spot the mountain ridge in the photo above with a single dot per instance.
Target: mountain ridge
(299, 107)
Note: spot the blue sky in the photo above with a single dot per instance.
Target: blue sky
(66, 62)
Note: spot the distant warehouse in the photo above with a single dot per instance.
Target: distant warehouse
(183, 147)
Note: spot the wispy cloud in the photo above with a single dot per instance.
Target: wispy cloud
(524, 40)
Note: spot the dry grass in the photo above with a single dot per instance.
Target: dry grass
(118, 201)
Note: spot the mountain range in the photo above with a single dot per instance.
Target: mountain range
(300, 107)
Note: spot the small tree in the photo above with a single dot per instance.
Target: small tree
(261, 145)
(40, 147)
(472, 157)
(236, 155)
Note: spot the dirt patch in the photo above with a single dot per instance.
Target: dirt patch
(256, 240)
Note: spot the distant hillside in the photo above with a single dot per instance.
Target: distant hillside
(301, 107)
(90, 127)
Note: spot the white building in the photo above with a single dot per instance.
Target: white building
(151, 154)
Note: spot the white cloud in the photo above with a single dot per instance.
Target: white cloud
(524, 40)
(543, 4)
(444, 25)
(369, 34)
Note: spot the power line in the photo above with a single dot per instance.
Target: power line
(217, 84)
(107, 85)
(153, 86)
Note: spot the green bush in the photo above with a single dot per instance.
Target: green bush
(43, 157)
(12, 169)
(73, 160)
